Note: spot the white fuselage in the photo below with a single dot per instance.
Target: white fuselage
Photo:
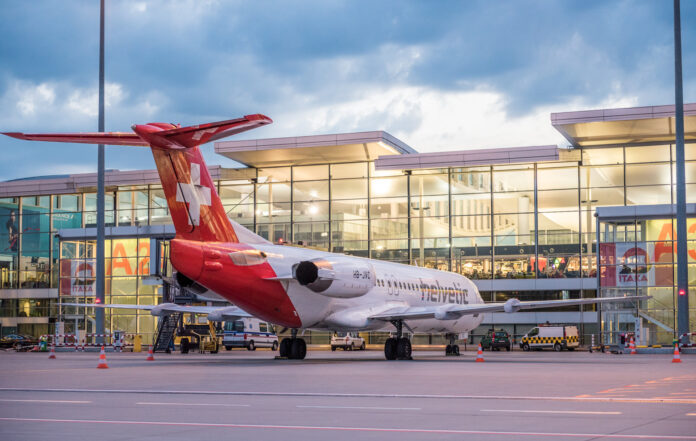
(395, 285)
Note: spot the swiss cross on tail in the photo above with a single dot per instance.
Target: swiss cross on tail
(194, 194)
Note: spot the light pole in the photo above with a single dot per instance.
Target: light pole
(99, 312)
(682, 254)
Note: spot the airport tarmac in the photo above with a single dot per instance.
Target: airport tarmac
(347, 395)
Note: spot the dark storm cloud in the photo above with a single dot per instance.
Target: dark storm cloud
(191, 61)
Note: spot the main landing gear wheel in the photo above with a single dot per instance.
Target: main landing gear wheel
(390, 349)
(298, 349)
(293, 348)
(403, 349)
(285, 347)
(399, 347)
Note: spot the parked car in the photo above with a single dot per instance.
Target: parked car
(495, 340)
(347, 341)
(556, 337)
(250, 333)
(17, 341)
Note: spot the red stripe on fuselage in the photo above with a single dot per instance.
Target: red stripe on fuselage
(210, 265)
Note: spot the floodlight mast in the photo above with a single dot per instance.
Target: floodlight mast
(682, 252)
(99, 294)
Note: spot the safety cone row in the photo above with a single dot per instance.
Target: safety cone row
(102, 360)
(52, 354)
(633, 347)
(150, 355)
(676, 358)
(479, 354)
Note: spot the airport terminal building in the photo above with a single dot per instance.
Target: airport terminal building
(537, 222)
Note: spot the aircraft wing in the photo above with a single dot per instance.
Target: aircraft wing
(215, 313)
(453, 311)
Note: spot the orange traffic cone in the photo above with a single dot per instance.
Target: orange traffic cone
(479, 355)
(102, 360)
(676, 358)
(150, 355)
(52, 354)
(633, 347)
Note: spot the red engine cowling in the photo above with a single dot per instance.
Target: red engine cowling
(335, 278)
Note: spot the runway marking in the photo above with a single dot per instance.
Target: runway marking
(192, 404)
(360, 407)
(579, 412)
(655, 400)
(44, 401)
(354, 429)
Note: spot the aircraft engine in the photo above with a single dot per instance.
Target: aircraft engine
(336, 278)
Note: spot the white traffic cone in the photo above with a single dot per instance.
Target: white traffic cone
(676, 358)
(102, 360)
(479, 355)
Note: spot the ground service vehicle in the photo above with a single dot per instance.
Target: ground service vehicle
(347, 341)
(548, 336)
(250, 333)
(17, 341)
(198, 336)
(495, 340)
(296, 288)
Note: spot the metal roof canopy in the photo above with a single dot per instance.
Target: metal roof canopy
(627, 126)
(633, 212)
(469, 158)
(318, 149)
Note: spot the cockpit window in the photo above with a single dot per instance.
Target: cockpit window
(248, 257)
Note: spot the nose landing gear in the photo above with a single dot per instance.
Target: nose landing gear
(399, 347)
(452, 348)
(293, 348)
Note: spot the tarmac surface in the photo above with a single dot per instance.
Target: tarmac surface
(347, 395)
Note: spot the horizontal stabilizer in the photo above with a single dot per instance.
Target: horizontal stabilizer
(110, 138)
(163, 135)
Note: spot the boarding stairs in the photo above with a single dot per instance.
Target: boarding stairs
(166, 331)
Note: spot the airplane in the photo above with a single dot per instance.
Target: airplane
(297, 288)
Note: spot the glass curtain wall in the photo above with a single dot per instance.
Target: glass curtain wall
(638, 257)
(127, 263)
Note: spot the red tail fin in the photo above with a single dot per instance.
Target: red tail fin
(194, 204)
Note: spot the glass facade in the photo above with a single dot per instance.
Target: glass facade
(521, 221)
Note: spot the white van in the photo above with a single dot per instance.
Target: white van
(250, 333)
(556, 337)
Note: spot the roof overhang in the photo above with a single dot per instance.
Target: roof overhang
(319, 149)
(469, 158)
(633, 212)
(625, 127)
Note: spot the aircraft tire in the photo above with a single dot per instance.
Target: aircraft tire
(184, 346)
(455, 350)
(285, 347)
(298, 349)
(448, 350)
(403, 349)
(390, 349)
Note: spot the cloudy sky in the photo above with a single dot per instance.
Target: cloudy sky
(439, 75)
